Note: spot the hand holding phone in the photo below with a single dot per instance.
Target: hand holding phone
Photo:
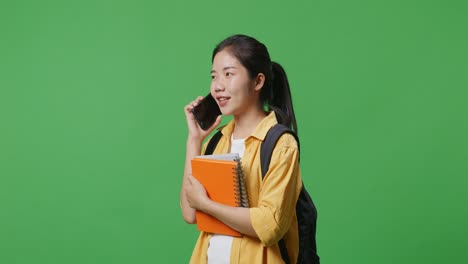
(206, 112)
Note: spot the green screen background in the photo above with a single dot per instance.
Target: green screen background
(92, 129)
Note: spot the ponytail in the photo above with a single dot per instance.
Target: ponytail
(276, 96)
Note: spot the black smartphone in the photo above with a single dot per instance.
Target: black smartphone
(206, 112)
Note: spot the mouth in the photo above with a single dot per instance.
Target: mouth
(222, 100)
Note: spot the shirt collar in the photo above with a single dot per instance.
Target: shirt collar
(260, 131)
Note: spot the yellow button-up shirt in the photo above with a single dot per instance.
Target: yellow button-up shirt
(272, 200)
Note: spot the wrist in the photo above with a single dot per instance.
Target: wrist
(205, 204)
(194, 140)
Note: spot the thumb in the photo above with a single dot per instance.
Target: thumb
(216, 123)
(189, 179)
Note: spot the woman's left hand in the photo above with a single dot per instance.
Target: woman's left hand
(196, 193)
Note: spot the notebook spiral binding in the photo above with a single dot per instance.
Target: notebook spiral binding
(242, 198)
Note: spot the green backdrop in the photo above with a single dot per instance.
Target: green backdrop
(92, 129)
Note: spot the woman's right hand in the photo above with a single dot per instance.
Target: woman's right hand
(195, 131)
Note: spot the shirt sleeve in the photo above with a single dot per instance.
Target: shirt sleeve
(279, 192)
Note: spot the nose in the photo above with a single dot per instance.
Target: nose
(218, 86)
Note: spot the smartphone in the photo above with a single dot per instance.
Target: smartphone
(206, 112)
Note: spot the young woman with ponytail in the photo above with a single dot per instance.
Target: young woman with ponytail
(255, 91)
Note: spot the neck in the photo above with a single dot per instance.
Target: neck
(247, 122)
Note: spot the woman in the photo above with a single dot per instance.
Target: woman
(255, 91)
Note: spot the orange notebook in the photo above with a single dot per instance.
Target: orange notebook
(223, 179)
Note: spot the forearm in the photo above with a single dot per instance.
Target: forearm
(193, 149)
(237, 218)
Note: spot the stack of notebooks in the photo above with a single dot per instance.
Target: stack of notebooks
(223, 179)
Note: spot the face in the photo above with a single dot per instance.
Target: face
(231, 85)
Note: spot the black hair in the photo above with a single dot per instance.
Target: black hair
(275, 94)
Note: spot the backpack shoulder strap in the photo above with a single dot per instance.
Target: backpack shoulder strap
(268, 145)
(213, 143)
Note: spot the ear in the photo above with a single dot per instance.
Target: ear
(259, 81)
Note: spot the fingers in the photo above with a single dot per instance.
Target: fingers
(189, 107)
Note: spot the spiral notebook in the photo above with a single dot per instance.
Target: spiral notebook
(223, 179)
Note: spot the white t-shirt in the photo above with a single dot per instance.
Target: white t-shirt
(219, 247)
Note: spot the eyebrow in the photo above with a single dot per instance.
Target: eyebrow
(225, 68)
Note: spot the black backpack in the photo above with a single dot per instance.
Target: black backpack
(305, 209)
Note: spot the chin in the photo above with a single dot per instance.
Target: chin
(225, 112)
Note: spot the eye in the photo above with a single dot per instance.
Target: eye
(213, 77)
(229, 74)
